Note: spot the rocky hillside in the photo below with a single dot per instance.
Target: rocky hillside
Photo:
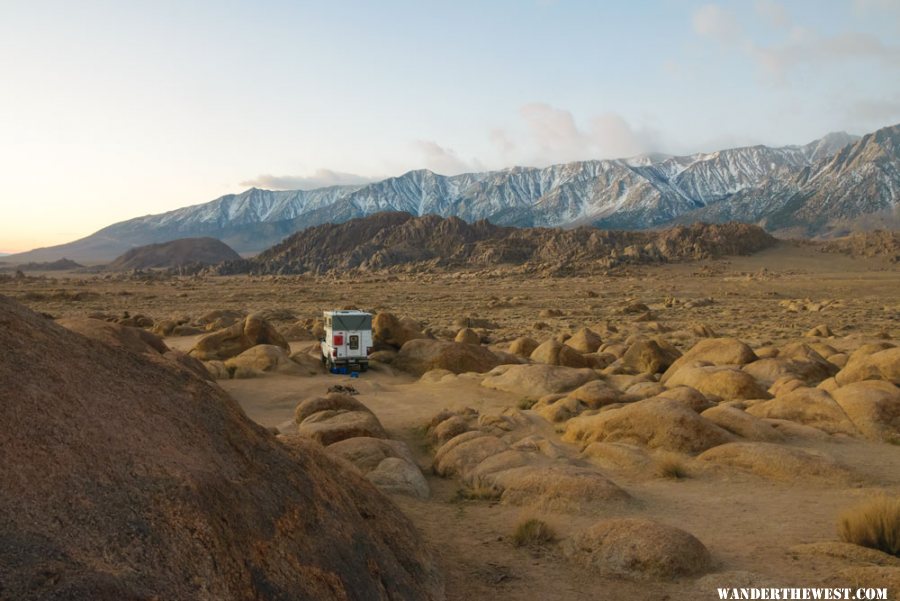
(177, 253)
(636, 193)
(146, 481)
(400, 240)
(878, 243)
(859, 185)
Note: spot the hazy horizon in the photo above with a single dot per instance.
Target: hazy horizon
(112, 112)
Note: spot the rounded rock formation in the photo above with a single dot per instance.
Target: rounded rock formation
(421, 355)
(234, 340)
(638, 548)
(137, 479)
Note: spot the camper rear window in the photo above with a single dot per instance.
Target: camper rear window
(351, 322)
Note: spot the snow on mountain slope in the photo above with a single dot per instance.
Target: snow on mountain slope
(635, 193)
(861, 179)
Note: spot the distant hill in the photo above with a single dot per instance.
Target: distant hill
(60, 265)
(878, 243)
(758, 184)
(177, 253)
(387, 241)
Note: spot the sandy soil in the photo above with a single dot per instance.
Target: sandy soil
(747, 523)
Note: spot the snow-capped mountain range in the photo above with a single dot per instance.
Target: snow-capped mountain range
(808, 188)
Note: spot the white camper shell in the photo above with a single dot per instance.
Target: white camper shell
(348, 340)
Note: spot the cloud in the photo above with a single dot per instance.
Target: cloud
(501, 141)
(807, 48)
(672, 67)
(800, 46)
(555, 137)
(711, 20)
(774, 13)
(613, 136)
(554, 131)
(545, 135)
(442, 160)
(874, 112)
(864, 6)
(321, 178)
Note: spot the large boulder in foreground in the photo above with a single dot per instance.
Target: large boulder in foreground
(638, 548)
(136, 479)
(421, 355)
(234, 340)
(135, 340)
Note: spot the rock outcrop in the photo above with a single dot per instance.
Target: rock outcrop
(655, 423)
(386, 241)
(234, 340)
(421, 355)
(136, 479)
(638, 548)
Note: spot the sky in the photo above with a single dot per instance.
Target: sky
(112, 110)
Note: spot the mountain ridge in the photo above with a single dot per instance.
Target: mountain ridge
(746, 183)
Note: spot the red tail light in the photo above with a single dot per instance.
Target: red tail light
(338, 339)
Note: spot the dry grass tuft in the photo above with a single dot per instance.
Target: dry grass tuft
(478, 493)
(526, 403)
(672, 466)
(874, 524)
(533, 533)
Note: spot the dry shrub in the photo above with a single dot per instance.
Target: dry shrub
(477, 493)
(526, 403)
(532, 533)
(672, 466)
(874, 524)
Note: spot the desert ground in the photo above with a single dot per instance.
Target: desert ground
(765, 520)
